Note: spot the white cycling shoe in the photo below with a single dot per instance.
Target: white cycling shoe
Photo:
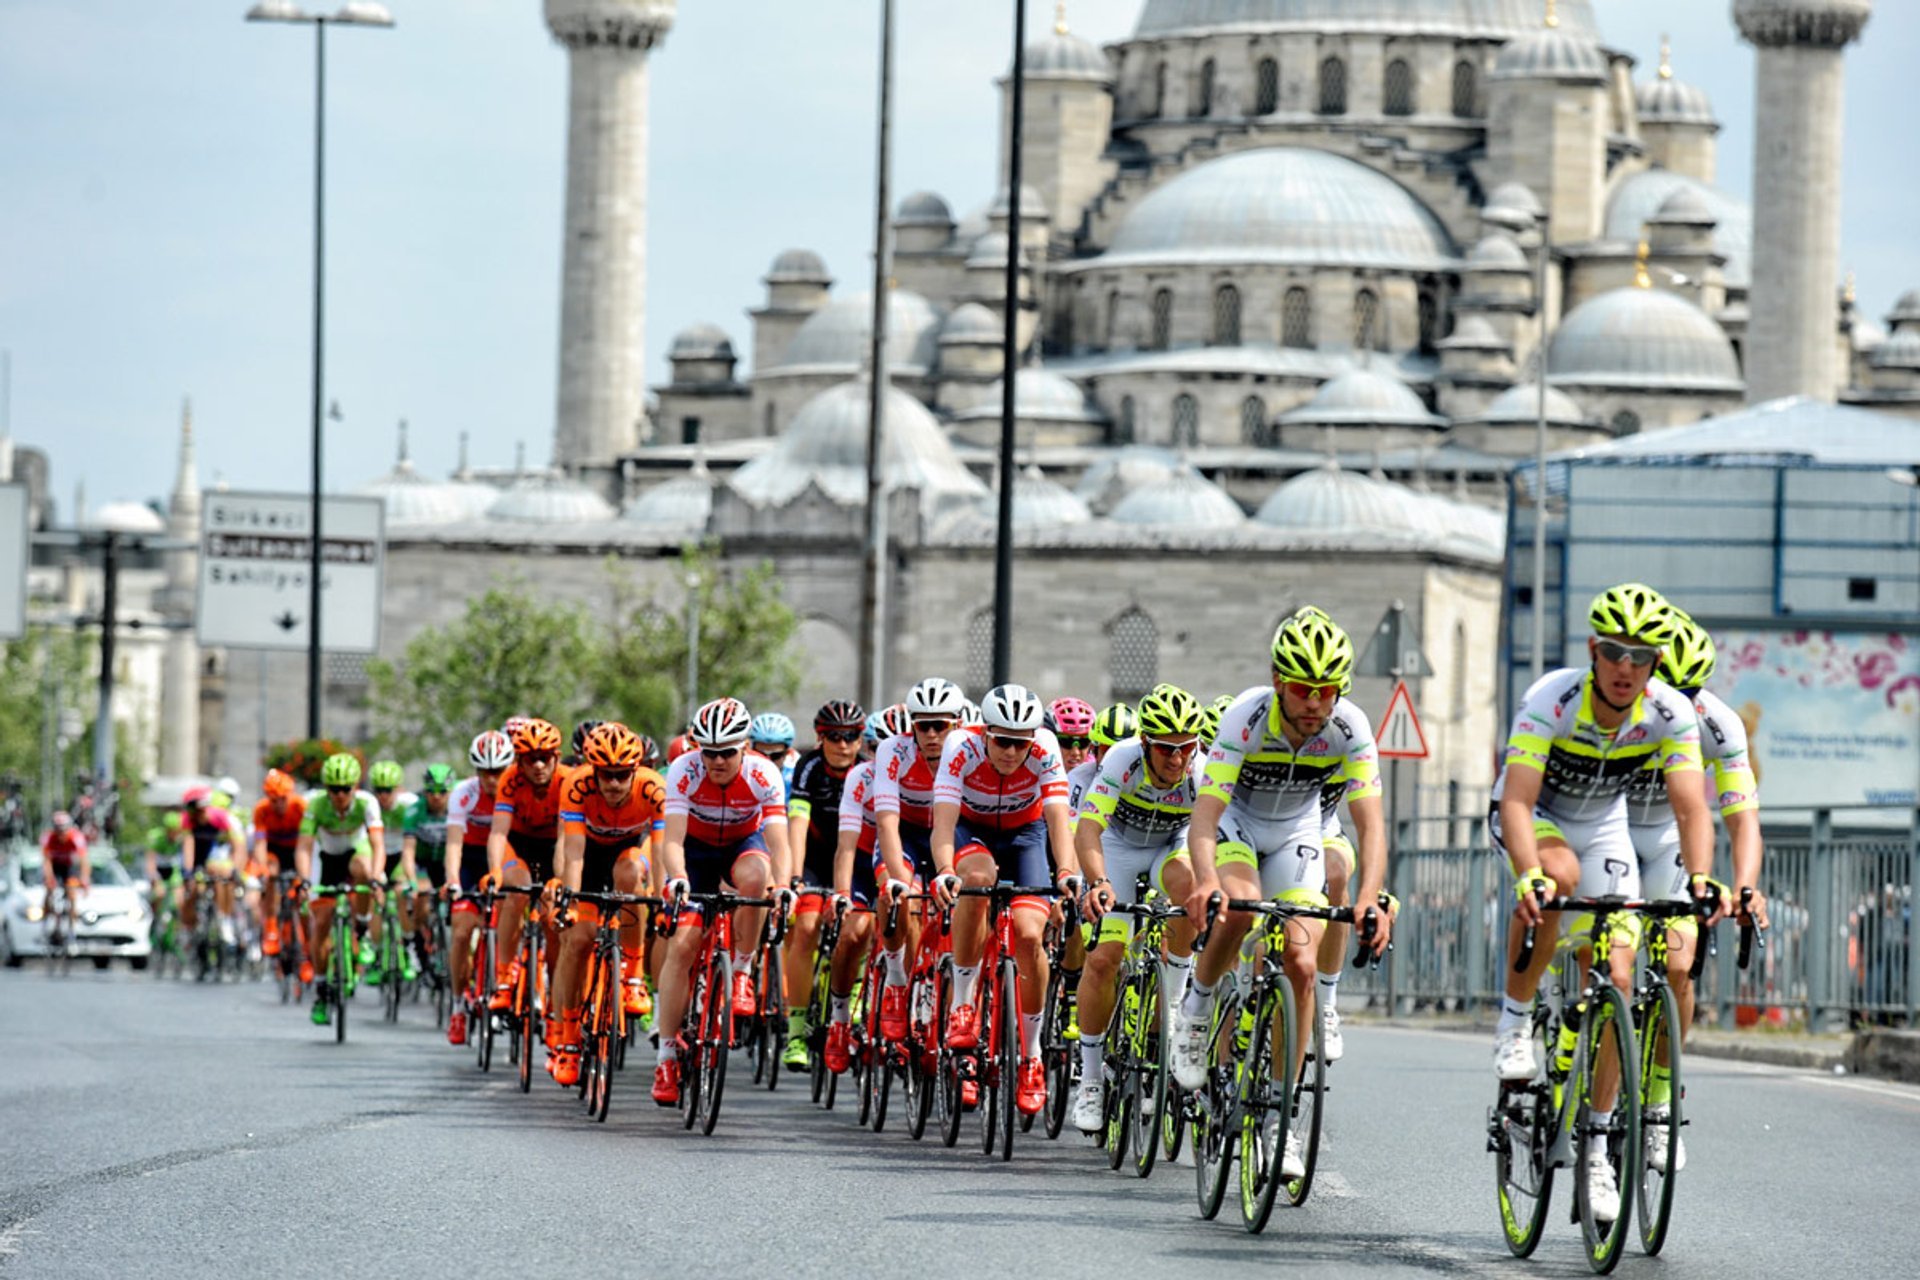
(1330, 1042)
(1089, 1106)
(1187, 1050)
(1513, 1056)
(1603, 1194)
(1656, 1131)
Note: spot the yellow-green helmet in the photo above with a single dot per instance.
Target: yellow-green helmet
(385, 775)
(1687, 660)
(1310, 647)
(1633, 610)
(1170, 712)
(340, 770)
(1116, 724)
(1210, 724)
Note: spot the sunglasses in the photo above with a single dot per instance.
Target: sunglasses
(1640, 655)
(1080, 743)
(719, 753)
(537, 757)
(613, 775)
(932, 726)
(339, 791)
(841, 735)
(1174, 746)
(1007, 742)
(1312, 692)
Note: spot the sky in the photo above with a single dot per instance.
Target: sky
(156, 161)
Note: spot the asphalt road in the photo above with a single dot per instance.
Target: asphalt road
(157, 1129)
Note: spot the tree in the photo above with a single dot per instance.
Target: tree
(303, 758)
(46, 676)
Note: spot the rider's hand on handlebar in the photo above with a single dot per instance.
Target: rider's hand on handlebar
(676, 890)
(1099, 899)
(1530, 889)
(946, 888)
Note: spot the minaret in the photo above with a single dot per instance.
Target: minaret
(603, 281)
(1799, 81)
(180, 679)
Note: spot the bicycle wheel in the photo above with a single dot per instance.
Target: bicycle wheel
(606, 1037)
(951, 1100)
(1215, 1103)
(1607, 1034)
(523, 1028)
(481, 979)
(923, 1075)
(342, 966)
(1266, 1091)
(716, 1035)
(772, 1020)
(1056, 1053)
(1660, 1158)
(391, 985)
(694, 1020)
(1149, 1076)
(1303, 1116)
(1009, 1047)
(1520, 1133)
(879, 1051)
(992, 1075)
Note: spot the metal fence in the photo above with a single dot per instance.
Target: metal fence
(1840, 950)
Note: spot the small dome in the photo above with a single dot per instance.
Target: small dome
(1329, 499)
(1901, 351)
(474, 496)
(798, 266)
(1520, 403)
(549, 500)
(1686, 206)
(1039, 395)
(1551, 53)
(1867, 336)
(1362, 397)
(1061, 55)
(1473, 334)
(685, 502)
(1031, 205)
(1907, 307)
(1039, 502)
(838, 335)
(1185, 499)
(701, 342)
(1638, 199)
(409, 498)
(1516, 196)
(1670, 101)
(923, 209)
(990, 250)
(972, 322)
(126, 517)
(1497, 251)
(1642, 339)
(1123, 470)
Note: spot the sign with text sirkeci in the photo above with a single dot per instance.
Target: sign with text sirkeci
(255, 549)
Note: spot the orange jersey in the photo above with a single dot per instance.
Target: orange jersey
(283, 828)
(535, 813)
(587, 811)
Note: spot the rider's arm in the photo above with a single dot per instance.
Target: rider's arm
(1066, 861)
(377, 838)
(946, 816)
(1370, 831)
(1086, 844)
(893, 854)
(1521, 792)
(572, 856)
(497, 840)
(186, 850)
(843, 854)
(673, 847)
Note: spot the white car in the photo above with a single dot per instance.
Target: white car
(115, 920)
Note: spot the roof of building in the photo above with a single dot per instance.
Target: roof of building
(1475, 333)
(1520, 403)
(1795, 429)
(1291, 205)
(1115, 473)
(1363, 397)
(799, 265)
(684, 502)
(1039, 395)
(1333, 501)
(549, 499)
(126, 517)
(1496, 19)
(701, 342)
(1032, 203)
(837, 337)
(1905, 307)
(1185, 498)
(1638, 199)
(1496, 251)
(972, 322)
(1062, 55)
(1642, 338)
(924, 208)
(1038, 503)
(1670, 101)
(1552, 53)
(1901, 351)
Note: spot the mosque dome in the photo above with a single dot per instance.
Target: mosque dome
(1061, 55)
(126, 517)
(701, 342)
(838, 335)
(1639, 198)
(1551, 53)
(1668, 101)
(1520, 403)
(685, 502)
(1642, 339)
(798, 266)
(1686, 205)
(990, 250)
(409, 498)
(1362, 397)
(1289, 205)
(1331, 500)
(924, 209)
(1901, 351)
(1039, 395)
(549, 500)
(1032, 205)
(1515, 196)
(1039, 502)
(972, 322)
(1474, 19)
(1496, 251)
(826, 444)
(1185, 499)
(1475, 333)
(1905, 308)
(1119, 472)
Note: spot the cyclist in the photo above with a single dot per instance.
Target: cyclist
(577, 745)
(1132, 825)
(1114, 725)
(1686, 663)
(163, 862)
(385, 778)
(343, 823)
(469, 825)
(772, 735)
(1560, 814)
(813, 824)
(903, 776)
(726, 823)
(1257, 826)
(1000, 806)
(854, 883)
(649, 753)
(521, 845)
(423, 832)
(204, 829)
(63, 865)
(276, 830)
(613, 818)
(1071, 721)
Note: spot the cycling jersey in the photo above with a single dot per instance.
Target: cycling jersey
(428, 831)
(341, 833)
(1127, 804)
(586, 812)
(1268, 781)
(1079, 778)
(903, 782)
(63, 850)
(213, 828)
(1585, 769)
(994, 801)
(470, 813)
(856, 814)
(815, 796)
(718, 815)
(535, 810)
(787, 763)
(1723, 745)
(281, 829)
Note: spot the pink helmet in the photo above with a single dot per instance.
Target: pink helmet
(1071, 717)
(196, 796)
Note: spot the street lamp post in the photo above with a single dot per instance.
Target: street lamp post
(1518, 219)
(356, 13)
(1010, 357)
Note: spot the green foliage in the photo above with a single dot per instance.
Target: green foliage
(303, 757)
(43, 674)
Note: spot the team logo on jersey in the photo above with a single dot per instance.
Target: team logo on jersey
(1636, 734)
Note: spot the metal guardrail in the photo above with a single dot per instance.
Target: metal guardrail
(1841, 950)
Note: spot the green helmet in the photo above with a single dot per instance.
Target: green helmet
(1170, 712)
(340, 770)
(1210, 717)
(1310, 647)
(1116, 724)
(1686, 662)
(439, 779)
(385, 775)
(1632, 610)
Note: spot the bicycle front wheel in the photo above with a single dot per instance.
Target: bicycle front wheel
(1147, 1049)
(1520, 1133)
(1660, 1114)
(1607, 1039)
(1056, 1052)
(1266, 1089)
(1309, 1089)
(716, 1034)
(1215, 1104)
(1008, 1051)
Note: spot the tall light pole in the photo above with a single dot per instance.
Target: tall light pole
(1009, 357)
(874, 581)
(1520, 220)
(356, 13)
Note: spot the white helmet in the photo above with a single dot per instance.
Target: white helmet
(1012, 706)
(936, 697)
(490, 750)
(721, 723)
(230, 785)
(970, 714)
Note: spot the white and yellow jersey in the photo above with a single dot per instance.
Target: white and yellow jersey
(1724, 752)
(1127, 804)
(1586, 770)
(1266, 779)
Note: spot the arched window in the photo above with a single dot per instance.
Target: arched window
(1113, 318)
(1203, 101)
(1226, 316)
(1429, 312)
(980, 652)
(1133, 655)
(1159, 104)
(1123, 428)
(1296, 318)
(1366, 320)
(1266, 87)
(1465, 90)
(1333, 87)
(1399, 88)
(1162, 320)
(1186, 420)
(1626, 422)
(1253, 422)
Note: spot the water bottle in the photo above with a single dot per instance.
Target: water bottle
(1569, 1037)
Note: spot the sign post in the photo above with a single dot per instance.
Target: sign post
(13, 561)
(255, 551)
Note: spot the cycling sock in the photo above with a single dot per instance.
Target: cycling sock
(841, 1008)
(1512, 1014)
(964, 976)
(669, 1049)
(896, 962)
(1198, 997)
(1601, 1119)
(1093, 1056)
(1659, 1086)
(796, 1025)
(1029, 1035)
(1329, 991)
(743, 961)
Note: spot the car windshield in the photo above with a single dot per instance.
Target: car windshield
(107, 871)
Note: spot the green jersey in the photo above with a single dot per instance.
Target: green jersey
(335, 832)
(426, 828)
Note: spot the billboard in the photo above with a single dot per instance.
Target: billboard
(1834, 716)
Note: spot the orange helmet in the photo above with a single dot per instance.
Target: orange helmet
(613, 746)
(534, 736)
(278, 784)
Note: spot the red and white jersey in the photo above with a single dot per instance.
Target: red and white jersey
(856, 804)
(725, 815)
(988, 798)
(470, 813)
(903, 781)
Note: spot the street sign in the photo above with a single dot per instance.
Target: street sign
(254, 555)
(1393, 650)
(1400, 736)
(13, 561)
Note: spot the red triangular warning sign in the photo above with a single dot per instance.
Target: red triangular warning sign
(1400, 736)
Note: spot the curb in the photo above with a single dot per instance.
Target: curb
(1886, 1054)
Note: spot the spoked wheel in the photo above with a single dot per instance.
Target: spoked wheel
(601, 1047)
(1266, 1088)
(1309, 1089)
(481, 1017)
(1609, 1036)
(922, 1081)
(524, 1034)
(1056, 1052)
(949, 1068)
(1148, 1049)
(772, 1013)
(1661, 1114)
(715, 1033)
(1215, 1106)
(1116, 1112)
(879, 1050)
(1006, 1078)
(690, 1058)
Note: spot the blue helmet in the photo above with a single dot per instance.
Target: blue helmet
(875, 728)
(771, 726)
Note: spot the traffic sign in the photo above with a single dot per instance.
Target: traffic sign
(13, 561)
(255, 550)
(1400, 736)
(1393, 650)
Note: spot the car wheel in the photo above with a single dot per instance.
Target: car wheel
(102, 962)
(139, 963)
(13, 958)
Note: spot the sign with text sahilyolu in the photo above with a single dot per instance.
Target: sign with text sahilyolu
(255, 550)
(13, 561)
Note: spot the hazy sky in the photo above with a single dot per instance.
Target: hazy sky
(156, 237)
